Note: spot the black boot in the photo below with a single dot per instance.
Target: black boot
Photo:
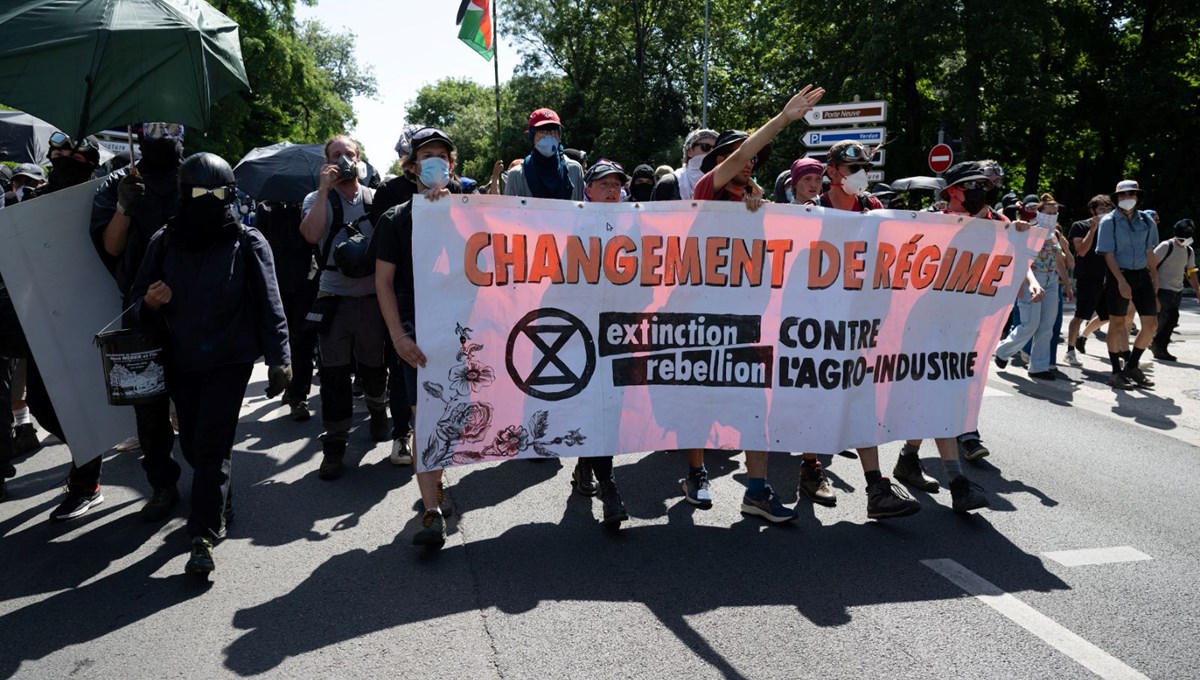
(614, 508)
(331, 464)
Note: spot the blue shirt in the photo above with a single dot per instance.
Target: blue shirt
(1127, 239)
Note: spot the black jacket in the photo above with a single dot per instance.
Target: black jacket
(161, 204)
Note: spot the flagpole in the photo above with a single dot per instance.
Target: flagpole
(704, 114)
(496, 71)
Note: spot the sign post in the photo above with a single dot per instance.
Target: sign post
(872, 136)
(848, 113)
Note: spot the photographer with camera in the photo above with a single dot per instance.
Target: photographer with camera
(346, 313)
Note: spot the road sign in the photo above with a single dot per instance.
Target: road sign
(821, 155)
(941, 157)
(848, 113)
(827, 138)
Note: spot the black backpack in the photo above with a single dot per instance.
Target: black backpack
(354, 257)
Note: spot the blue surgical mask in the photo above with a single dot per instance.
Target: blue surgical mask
(547, 146)
(435, 172)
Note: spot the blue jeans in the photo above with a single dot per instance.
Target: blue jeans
(1036, 324)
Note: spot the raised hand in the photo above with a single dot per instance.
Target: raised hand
(803, 102)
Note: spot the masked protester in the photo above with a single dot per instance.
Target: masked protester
(1090, 274)
(847, 169)
(210, 282)
(1126, 237)
(346, 313)
(431, 163)
(547, 172)
(27, 178)
(640, 187)
(681, 184)
(71, 164)
(1176, 262)
(402, 187)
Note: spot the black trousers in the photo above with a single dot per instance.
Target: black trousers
(296, 305)
(208, 404)
(397, 388)
(1168, 315)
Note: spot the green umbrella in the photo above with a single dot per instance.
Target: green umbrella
(88, 65)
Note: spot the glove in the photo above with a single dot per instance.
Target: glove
(131, 191)
(278, 379)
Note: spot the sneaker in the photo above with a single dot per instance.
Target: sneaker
(1072, 359)
(1133, 330)
(1121, 381)
(226, 518)
(1135, 374)
(433, 530)
(814, 483)
(885, 499)
(910, 471)
(1044, 375)
(697, 490)
(1160, 353)
(767, 505)
(201, 561)
(25, 440)
(402, 450)
(159, 506)
(967, 495)
(973, 449)
(380, 431)
(331, 464)
(1000, 363)
(614, 508)
(300, 411)
(1024, 357)
(1081, 344)
(75, 504)
(131, 444)
(582, 479)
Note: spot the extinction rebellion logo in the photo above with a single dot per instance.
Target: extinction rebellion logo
(563, 354)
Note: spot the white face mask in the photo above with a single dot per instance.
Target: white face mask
(1046, 220)
(1127, 204)
(694, 162)
(1187, 241)
(856, 183)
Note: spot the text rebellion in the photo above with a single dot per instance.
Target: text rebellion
(500, 260)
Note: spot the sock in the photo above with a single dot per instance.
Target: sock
(693, 471)
(21, 416)
(1116, 361)
(910, 451)
(953, 468)
(1135, 356)
(756, 485)
(1126, 356)
(873, 476)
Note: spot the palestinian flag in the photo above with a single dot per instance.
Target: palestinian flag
(475, 17)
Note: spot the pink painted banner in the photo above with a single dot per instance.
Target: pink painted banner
(555, 328)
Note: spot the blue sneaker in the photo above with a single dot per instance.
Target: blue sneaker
(696, 489)
(767, 505)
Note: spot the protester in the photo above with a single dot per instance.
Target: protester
(1126, 237)
(728, 170)
(128, 209)
(346, 314)
(431, 163)
(546, 172)
(1176, 262)
(662, 171)
(848, 164)
(1037, 316)
(402, 187)
(210, 282)
(805, 186)
(27, 178)
(1090, 274)
(681, 184)
(641, 186)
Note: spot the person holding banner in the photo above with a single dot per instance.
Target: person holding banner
(212, 281)
(847, 168)
(431, 162)
(728, 176)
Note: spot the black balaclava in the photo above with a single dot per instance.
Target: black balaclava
(160, 156)
(204, 220)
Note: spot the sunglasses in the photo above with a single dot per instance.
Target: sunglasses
(153, 131)
(60, 140)
(704, 146)
(975, 184)
(220, 193)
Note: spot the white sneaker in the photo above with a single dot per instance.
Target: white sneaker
(1024, 357)
(402, 450)
(1072, 359)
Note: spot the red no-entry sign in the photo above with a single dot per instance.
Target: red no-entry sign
(940, 158)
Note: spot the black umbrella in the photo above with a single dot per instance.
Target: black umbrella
(919, 183)
(283, 172)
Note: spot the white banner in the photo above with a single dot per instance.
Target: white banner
(64, 296)
(555, 328)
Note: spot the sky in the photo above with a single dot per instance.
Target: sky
(410, 43)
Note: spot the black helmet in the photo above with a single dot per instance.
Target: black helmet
(206, 170)
(1185, 228)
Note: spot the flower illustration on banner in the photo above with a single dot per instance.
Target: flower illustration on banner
(465, 421)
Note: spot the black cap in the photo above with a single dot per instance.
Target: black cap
(963, 172)
(643, 170)
(603, 168)
(206, 170)
(1008, 200)
(727, 142)
(1185, 228)
(428, 135)
(1030, 198)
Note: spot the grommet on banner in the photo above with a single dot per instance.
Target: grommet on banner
(465, 200)
(579, 205)
(695, 205)
(522, 201)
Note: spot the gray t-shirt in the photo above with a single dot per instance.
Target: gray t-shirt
(1171, 270)
(333, 281)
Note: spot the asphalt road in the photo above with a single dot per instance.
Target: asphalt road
(319, 579)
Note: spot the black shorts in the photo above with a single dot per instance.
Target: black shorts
(1089, 298)
(1141, 290)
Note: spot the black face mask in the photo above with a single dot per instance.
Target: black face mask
(67, 171)
(974, 200)
(160, 155)
(641, 192)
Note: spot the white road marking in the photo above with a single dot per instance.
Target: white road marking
(1085, 653)
(1079, 558)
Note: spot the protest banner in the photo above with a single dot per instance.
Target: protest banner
(63, 297)
(555, 328)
